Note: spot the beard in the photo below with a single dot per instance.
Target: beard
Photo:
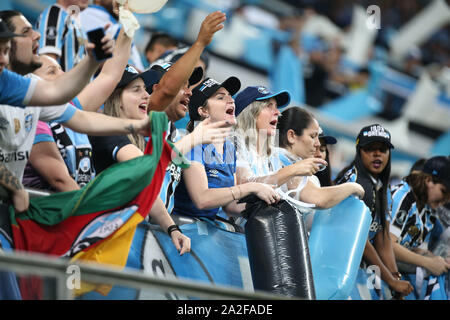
(19, 66)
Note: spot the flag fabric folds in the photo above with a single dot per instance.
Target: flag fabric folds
(97, 222)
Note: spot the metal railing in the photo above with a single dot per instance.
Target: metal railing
(43, 265)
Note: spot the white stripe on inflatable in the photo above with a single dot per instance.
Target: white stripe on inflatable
(418, 29)
(246, 275)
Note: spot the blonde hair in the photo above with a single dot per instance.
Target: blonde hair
(247, 133)
(112, 107)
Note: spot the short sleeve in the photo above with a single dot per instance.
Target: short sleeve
(16, 90)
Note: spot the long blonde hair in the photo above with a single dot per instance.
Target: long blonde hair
(247, 133)
(112, 107)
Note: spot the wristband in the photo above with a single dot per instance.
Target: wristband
(172, 228)
(232, 193)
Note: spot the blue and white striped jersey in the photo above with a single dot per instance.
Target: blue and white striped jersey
(413, 228)
(62, 35)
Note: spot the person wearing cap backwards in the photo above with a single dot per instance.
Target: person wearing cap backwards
(258, 159)
(18, 91)
(414, 201)
(371, 168)
(208, 185)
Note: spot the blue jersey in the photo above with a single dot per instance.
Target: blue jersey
(411, 227)
(220, 170)
(173, 174)
(15, 90)
(62, 35)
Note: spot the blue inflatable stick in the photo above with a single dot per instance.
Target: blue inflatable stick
(337, 241)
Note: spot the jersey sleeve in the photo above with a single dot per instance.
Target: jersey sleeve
(16, 90)
(43, 133)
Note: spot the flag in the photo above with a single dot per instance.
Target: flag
(97, 223)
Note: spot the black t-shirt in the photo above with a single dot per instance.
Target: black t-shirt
(105, 148)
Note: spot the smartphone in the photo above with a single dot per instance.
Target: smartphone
(95, 36)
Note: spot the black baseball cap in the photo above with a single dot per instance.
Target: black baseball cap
(254, 93)
(439, 167)
(206, 89)
(152, 75)
(373, 133)
(160, 68)
(5, 32)
(327, 139)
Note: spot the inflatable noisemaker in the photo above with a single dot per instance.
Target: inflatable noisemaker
(277, 248)
(337, 241)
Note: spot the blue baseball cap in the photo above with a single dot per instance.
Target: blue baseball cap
(258, 93)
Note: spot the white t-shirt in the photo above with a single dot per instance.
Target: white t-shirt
(18, 129)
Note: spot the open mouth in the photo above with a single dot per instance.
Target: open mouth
(377, 164)
(143, 107)
(230, 111)
(35, 49)
(185, 103)
(274, 123)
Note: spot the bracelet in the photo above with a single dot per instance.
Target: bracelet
(232, 193)
(397, 275)
(172, 228)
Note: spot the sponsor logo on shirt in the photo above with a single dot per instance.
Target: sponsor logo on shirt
(213, 173)
(14, 156)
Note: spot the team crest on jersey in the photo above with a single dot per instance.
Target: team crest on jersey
(16, 125)
(28, 122)
(401, 216)
(413, 231)
(51, 33)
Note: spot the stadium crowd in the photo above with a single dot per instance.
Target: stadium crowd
(68, 115)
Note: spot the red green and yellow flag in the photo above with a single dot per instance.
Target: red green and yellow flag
(97, 223)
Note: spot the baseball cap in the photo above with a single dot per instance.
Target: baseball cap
(206, 89)
(257, 93)
(373, 133)
(160, 68)
(152, 75)
(439, 167)
(6, 33)
(327, 139)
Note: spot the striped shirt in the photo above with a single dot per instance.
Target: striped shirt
(411, 227)
(62, 35)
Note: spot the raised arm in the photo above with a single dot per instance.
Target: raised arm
(98, 124)
(178, 75)
(96, 93)
(68, 85)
